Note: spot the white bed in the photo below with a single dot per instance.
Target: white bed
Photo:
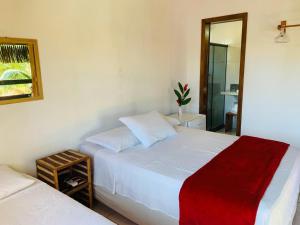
(151, 178)
(39, 204)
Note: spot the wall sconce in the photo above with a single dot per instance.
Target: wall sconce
(283, 37)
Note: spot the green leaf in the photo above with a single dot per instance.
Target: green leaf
(177, 94)
(186, 93)
(186, 101)
(179, 102)
(180, 87)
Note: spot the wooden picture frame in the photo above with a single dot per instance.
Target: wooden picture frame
(37, 89)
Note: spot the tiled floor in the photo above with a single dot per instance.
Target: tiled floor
(222, 131)
(121, 220)
(111, 215)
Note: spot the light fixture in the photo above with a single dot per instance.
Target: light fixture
(283, 37)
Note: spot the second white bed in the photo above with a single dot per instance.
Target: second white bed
(40, 204)
(154, 176)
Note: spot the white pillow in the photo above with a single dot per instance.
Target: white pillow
(149, 128)
(12, 181)
(173, 121)
(116, 139)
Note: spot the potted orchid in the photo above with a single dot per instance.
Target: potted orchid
(182, 97)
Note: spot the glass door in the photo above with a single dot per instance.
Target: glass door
(216, 81)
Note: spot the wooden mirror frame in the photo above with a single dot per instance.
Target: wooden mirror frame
(37, 89)
(205, 36)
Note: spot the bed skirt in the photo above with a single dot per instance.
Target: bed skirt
(132, 210)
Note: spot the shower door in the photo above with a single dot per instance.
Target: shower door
(216, 83)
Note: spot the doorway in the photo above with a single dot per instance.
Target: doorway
(222, 72)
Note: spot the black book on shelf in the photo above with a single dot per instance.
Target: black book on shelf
(75, 181)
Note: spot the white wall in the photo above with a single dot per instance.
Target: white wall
(229, 33)
(233, 66)
(100, 59)
(232, 77)
(271, 91)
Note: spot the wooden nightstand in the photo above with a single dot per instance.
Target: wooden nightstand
(55, 169)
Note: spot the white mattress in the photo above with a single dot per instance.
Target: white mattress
(39, 204)
(154, 176)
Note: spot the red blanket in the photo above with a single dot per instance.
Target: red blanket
(228, 189)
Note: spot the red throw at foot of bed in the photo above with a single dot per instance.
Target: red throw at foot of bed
(228, 189)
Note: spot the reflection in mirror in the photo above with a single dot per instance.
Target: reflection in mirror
(223, 76)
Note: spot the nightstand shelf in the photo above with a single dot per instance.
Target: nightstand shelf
(55, 169)
(71, 191)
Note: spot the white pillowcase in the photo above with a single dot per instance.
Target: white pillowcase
(149, 128)
(116, 139)
(12, 181)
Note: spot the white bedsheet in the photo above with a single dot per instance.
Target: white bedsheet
(40, 204)
(154, 176)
